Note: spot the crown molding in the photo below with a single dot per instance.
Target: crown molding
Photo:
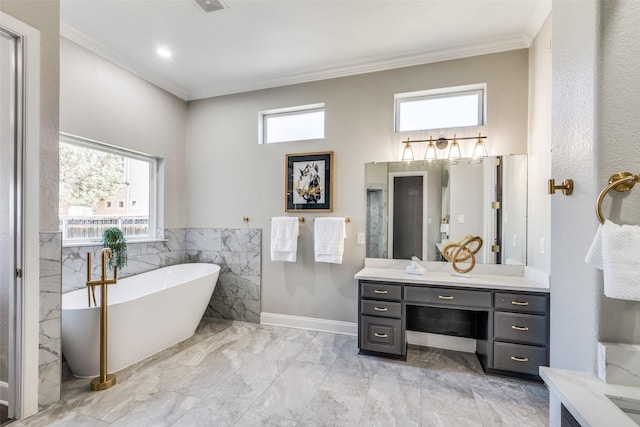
(374, 64)
(99, 49)
(361, 66)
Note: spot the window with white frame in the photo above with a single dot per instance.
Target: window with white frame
(443, 108)
(102, 186)
(299, 123)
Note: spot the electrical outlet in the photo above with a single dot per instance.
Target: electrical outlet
(360, 238)
(460, 219)
(543, 245)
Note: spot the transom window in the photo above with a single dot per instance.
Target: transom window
(444, 108)
(102, 186)
(292, 124)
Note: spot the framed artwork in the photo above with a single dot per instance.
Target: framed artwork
(309, 182)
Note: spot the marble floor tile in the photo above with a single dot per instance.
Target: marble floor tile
(392, 402)
(234, 373)
(292, 391)
(227, 403)
(333, 409)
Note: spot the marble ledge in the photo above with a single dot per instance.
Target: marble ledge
(477, 280)
(585, 396)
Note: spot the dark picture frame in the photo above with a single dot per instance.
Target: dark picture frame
(309, 182)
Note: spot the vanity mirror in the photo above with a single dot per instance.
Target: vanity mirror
(414, 208)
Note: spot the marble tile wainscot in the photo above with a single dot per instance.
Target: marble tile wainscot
(238, 253)
(142, 257)
(50, 353)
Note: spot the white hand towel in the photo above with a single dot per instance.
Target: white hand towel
(619, 248)
(284, 238)
(329, 235)
(415, 268)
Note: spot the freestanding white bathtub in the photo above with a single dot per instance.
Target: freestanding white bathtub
(146, 313)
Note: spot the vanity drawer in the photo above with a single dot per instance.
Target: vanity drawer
(521, 302)
(381, 308)
(526, 359)
(447, 296)
(382, 291)
(381, 334)
(527, 328)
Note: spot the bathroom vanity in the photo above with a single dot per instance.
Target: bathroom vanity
(508, 316)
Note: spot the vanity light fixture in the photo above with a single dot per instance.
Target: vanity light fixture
(455, 152)
(479, 150)
(431, 155)
(454, 155)
(407, 152)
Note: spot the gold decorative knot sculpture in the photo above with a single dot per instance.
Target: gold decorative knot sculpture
(462, 251)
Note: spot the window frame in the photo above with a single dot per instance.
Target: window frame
(440, 93)
(154, 188)
(289, 111)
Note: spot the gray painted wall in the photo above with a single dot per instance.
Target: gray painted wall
(103, 102)
(539, 150)
(575, 288)
(231, 176)
(618, 130)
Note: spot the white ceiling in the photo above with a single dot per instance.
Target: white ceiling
(256, 44)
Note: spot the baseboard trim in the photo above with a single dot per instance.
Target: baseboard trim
(4, 393)
(310, 323)
(467, 345)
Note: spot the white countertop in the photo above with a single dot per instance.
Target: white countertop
(490, 281)
(585, 396)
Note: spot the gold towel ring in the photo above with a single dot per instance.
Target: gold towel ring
(621, 182)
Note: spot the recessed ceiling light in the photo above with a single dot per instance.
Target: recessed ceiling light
(165, 53)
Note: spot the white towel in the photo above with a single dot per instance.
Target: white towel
(284, 238)
(616, 251)
(329, 235)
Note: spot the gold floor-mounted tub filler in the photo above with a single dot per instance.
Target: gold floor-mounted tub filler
(104, 381)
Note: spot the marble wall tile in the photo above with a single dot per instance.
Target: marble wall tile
(141, 257)
(238, 252)
(50, 353)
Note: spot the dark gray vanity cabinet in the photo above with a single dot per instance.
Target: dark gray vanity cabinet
(380, 314)
(511, 328)
(521, 332)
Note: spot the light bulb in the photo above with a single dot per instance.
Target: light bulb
(407, 152)
(431, 155)
(454, 152)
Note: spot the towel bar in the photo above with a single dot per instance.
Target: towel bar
(621, 182)
(347, 220)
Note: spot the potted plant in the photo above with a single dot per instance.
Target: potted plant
(113, 239)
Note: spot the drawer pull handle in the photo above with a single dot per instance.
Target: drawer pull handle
(523, 303)
(519, 359)
(377, 291)
(519, 328)
(380, 308)
(445, 297)
(380, 335)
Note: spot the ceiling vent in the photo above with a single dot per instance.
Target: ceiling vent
(210, 5)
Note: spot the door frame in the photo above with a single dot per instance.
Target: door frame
(425, 213)
(24, 385)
